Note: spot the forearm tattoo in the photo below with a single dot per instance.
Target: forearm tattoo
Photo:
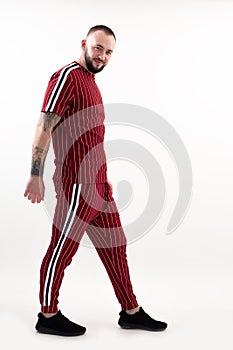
(38, 159)
(49, 120)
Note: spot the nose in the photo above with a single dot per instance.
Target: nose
(102, 57)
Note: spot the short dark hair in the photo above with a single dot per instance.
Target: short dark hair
(105, 29)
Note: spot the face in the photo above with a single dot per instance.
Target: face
(97, 50)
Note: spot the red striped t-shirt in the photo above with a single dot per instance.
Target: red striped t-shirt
(78, 138)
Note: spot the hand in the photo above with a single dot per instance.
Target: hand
(35, 189)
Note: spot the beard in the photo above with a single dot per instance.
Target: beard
(90, 65)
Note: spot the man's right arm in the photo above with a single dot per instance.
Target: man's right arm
(35, 187)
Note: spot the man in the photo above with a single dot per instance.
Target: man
(72, 116)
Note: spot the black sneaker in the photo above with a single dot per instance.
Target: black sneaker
(58, 325)
(140, 320)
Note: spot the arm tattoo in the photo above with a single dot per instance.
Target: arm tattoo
(38, 160)
(49, 120)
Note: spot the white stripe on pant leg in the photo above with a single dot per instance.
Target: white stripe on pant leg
(51, 269)
(71, 214)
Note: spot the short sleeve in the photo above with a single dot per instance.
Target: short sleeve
(59, 93)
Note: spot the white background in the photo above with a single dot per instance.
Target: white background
(174, 57)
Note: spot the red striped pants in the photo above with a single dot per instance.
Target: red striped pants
(88, 208)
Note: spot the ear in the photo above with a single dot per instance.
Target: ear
(83, 44)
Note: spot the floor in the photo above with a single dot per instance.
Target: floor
(197, 307)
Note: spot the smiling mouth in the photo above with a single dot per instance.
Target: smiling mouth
(97, 61)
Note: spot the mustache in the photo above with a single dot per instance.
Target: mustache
(98, 60)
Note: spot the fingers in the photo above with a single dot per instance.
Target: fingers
(39, 199)
(33, 197)
(34, 191)
(26, 193)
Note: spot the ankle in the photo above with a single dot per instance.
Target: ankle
(133, 311)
